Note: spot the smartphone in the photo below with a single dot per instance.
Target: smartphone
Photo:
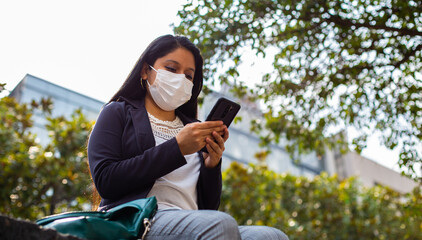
(224, 110)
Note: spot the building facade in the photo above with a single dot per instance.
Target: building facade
(371, 173)
(65, 102)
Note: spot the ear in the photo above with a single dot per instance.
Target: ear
(144, 71)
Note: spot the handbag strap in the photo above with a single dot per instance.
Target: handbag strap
(138, 204)
(51, 218)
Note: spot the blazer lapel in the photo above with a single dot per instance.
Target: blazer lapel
(138, 113)
(144, 136)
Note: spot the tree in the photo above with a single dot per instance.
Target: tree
(337, 64)
(41, 180)
(319, 208)
(64, 164)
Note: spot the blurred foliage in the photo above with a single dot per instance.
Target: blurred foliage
(41, 180)
(336, 65)
(319, 208)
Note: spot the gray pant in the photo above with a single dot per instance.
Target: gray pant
(205, 224)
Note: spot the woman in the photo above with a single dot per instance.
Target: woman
(147, 141)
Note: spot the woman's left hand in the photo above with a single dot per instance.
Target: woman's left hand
(215, 148)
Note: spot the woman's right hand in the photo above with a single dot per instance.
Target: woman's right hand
(192, 137)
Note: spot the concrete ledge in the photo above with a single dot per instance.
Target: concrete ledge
(12, 229)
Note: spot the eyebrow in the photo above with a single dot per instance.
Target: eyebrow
(173, 61)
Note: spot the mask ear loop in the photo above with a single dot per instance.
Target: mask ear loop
(144, 81)
(153, 68)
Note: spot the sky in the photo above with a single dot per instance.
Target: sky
(91, 46)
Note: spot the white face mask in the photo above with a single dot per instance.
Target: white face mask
(170, 90)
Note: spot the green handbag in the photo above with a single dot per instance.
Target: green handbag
(127, 221)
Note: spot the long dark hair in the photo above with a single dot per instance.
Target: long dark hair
(132, 89)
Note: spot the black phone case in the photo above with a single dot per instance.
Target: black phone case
(224, 110)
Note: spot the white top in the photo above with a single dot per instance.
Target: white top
(176, 190)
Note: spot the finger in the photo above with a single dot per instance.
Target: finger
(209, 132)
(223, 131)
(216, 150)
(210, 124)
(213, 157)
(210, 150)
(219, 140)
(226, 134)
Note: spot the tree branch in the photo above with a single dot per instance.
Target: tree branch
(408, 55)
(276, 39)
(346, 22)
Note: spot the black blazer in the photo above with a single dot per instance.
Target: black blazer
(125, 162)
